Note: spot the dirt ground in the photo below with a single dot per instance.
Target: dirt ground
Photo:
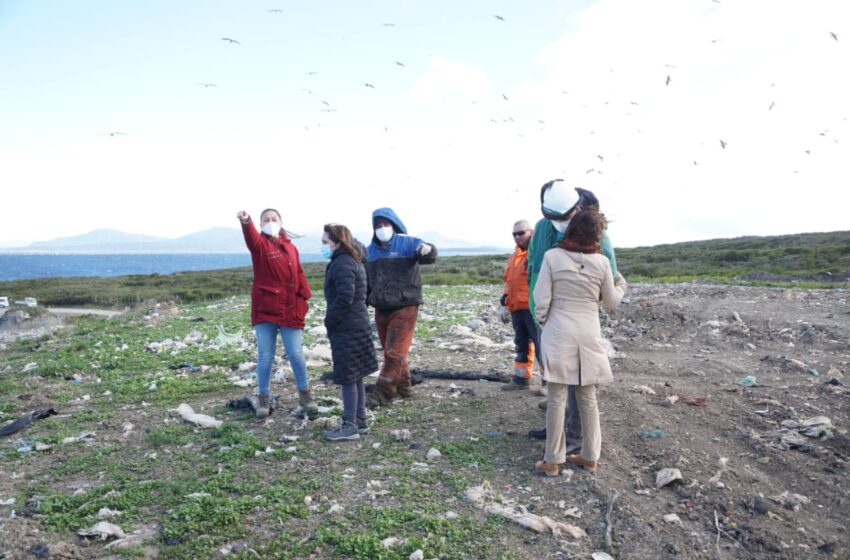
(746, 387)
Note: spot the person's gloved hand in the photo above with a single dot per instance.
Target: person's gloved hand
(504, 314)
(424, 249)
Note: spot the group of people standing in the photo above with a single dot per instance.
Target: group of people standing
(560, 270)
(554, 280)
(385, 275)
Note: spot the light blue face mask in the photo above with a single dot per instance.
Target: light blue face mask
(326, 251)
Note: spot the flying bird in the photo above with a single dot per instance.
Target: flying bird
(326, 103)
(498, 17)
(601, 158)
(505, 97)
(388, 24)
(275, 11)
(397, 63)
(206, 85)
(308, 91)
(231, 41)
(591, 170)
(329, 110)
(723, 144)
(311, 73)
(114, 134)
(367, 84)
(667, 83)
(833, 35)
(772, 103)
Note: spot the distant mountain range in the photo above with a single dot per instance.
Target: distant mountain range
(213, 240)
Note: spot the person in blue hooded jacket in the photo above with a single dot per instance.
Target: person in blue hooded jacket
(395, 291)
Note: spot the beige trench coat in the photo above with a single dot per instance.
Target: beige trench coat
(566, 300)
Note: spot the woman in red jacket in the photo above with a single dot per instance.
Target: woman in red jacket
(278, 304)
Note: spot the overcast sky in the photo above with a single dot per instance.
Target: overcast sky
(469, 114)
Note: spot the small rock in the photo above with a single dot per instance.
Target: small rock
(672, 518)
(418, 555)
(400, 435)
(335, 509)
(433, 454)
(643, 390)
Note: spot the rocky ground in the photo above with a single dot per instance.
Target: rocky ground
(741, 390)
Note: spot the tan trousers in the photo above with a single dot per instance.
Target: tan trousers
(556, 443)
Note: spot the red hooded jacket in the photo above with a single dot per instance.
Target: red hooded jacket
(280, 291)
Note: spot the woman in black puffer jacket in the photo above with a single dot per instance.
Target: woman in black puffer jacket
(349, 331)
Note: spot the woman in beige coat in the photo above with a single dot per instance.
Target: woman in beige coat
(573, 278)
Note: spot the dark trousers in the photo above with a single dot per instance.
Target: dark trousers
(525, 331)
(354, 401)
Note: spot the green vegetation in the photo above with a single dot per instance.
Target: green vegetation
(806, 260)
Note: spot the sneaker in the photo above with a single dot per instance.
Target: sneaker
(362, 426)
(345, 431)
(548, 469)
(516, 384)
(539, 433)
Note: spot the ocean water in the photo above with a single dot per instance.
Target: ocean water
(23, 266)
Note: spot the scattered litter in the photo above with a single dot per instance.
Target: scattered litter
(83, 437)
(601, 556)
(328, 422)
(224, 338)
(7, 502)
(420, 468)
(417, 555)
(433, 454)
(791, 501)
(666, 476)
(672, 518)
(481, 497)
(392, 542)
(25, 420)
(715, 480)
(202, 420)
(30, 366)
(748, 381)
(694, 401)
(671, 399)
(651, 434)
(643, 390)
(400, 435)
(102, 529)
(194, 495)
(335, 509)
(106, 513)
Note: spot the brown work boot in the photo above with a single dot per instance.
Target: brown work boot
(549, 469)
(381, 395)
(305, 399)
(404, 387)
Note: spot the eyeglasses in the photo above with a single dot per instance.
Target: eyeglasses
(520, 233)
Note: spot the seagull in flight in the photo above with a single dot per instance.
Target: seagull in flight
(231, 41)
(206, 84)
(601, 158)
(275, 11)
(833, 35)
(505, 97)
(723, 144)
(311, 73)
(667, 83)
(115, 133)
(498, 17)
(367, 84)
(388, 24)
(772, 103)
(397, 63)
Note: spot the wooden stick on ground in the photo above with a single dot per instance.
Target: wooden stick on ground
(608, 520)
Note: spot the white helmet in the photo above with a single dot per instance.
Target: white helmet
(557, 199)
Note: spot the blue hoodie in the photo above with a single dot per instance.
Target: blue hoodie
(392, 268)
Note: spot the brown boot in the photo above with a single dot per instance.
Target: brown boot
(581, 462)
(381, 395)
(404, 387)
(263, 406)
(305, 399)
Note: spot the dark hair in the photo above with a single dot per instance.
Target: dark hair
(586, 227)
(283, 230)
(341, 235)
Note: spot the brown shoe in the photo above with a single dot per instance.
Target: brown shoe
(580, 462)
(263, 406)
(548, 469)
(404, 387)
(308, 405)
(379, 396)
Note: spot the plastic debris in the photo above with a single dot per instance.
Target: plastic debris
(481, 497)
(666, 476)
(25, 420)
(85, 436)
(400, 435)
(651, 434)
(601, 556)
(433, 454)
(224, 338)
(748, 381)
(202, 420)
(417, 555)
(643, 390)
(106, 513)
(672, 518)
(102, 529)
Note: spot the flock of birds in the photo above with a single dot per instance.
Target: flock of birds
(327, 108)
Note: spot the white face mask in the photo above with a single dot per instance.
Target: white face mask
(384, 233)
(271, 228)
(560, 226)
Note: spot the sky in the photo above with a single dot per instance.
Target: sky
(689, 119)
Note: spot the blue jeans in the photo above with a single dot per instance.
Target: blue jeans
(266, 341)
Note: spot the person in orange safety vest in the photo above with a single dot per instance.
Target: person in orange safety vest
(514, 308)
